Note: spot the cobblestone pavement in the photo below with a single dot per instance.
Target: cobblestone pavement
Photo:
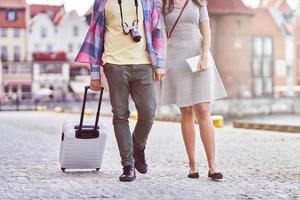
(256, 164)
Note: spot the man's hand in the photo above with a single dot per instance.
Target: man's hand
(159, 74)
(95, 85)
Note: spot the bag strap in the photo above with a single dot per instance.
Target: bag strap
(178, 18)
(83, 109)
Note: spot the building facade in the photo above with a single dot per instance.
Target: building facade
(53, 31)
(295, 27)
(50, 71)
(231, 45)
(15, 69)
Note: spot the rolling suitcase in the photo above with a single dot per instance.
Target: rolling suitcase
(83, 143)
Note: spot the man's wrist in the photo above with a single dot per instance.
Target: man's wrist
(95, 76)
(95, 72)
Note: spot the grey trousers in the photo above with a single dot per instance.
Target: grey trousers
(137, 81)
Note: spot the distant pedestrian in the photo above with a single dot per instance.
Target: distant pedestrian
(189, 35)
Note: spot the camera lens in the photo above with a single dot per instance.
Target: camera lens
(135, 34)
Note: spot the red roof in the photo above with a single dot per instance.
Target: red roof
(18, 4)
(228, 7)
(20, 8)
(35, 9)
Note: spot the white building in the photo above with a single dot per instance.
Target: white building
(16, 72)
(42, 34)
(53, 31)
(51, 75)
(56, 31)
(72, 29)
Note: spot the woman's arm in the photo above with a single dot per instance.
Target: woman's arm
(205, 30)
(206, 37)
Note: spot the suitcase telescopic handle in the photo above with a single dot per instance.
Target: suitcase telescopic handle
(83, 108)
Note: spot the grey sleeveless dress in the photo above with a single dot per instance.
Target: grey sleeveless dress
(181, 86)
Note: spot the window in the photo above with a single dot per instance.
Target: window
(36, 48)
(4, 53)
(6, 89)
(11, 15)
(16, 32)
(26, 88)
(50, 68)
(262, 66)
(75, 31)
(3, 32)
(71, 48)
(17, 53)
(5, 68)
(43, 32)
(257, 46)
(14, 68)
(238, 23)
(14, 88)
(49, 48)
(25, 69)
(50, 13)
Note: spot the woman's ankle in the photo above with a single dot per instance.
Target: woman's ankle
(212, 169)
(193, 166)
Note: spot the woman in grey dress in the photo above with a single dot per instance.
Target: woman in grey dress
(191, 91)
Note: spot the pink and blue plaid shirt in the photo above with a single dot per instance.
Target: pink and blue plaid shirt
(93, 45)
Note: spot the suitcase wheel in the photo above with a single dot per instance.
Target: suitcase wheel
(63, 169)
(97, 169)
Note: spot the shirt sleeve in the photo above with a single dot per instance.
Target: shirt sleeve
(203, 14)
(161, 16)
(95, 72)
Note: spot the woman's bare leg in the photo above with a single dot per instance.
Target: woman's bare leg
(203, 114)
(188, 133)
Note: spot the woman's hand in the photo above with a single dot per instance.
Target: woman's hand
(95, 85)
(203, 63)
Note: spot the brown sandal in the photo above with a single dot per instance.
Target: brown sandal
(215, 176)
(193, 174)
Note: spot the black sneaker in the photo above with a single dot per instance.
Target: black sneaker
(140, 162)
(128, 174)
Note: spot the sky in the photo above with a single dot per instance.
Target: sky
(83, 5)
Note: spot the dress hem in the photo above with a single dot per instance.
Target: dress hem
(192, 104)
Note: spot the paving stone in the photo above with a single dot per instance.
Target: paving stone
(256, 164)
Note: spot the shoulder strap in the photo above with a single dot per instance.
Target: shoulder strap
(178, 18)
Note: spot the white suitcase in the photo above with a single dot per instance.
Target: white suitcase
(83, 142)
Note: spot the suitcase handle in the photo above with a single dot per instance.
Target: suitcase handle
(82, 113)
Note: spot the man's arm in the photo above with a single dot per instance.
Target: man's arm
(95, 82)
(158, 41)
(95, 72)
(157, 34)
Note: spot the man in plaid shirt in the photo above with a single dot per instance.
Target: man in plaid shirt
(126, 38)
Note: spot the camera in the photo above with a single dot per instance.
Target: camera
(133, 30)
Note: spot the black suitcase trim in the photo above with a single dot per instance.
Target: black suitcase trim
(88, 131)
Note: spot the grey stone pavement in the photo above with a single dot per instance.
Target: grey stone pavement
(256, 164)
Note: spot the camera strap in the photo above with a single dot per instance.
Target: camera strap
(136, 11)
(178, 18)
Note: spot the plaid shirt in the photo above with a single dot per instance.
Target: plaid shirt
(93, 46)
